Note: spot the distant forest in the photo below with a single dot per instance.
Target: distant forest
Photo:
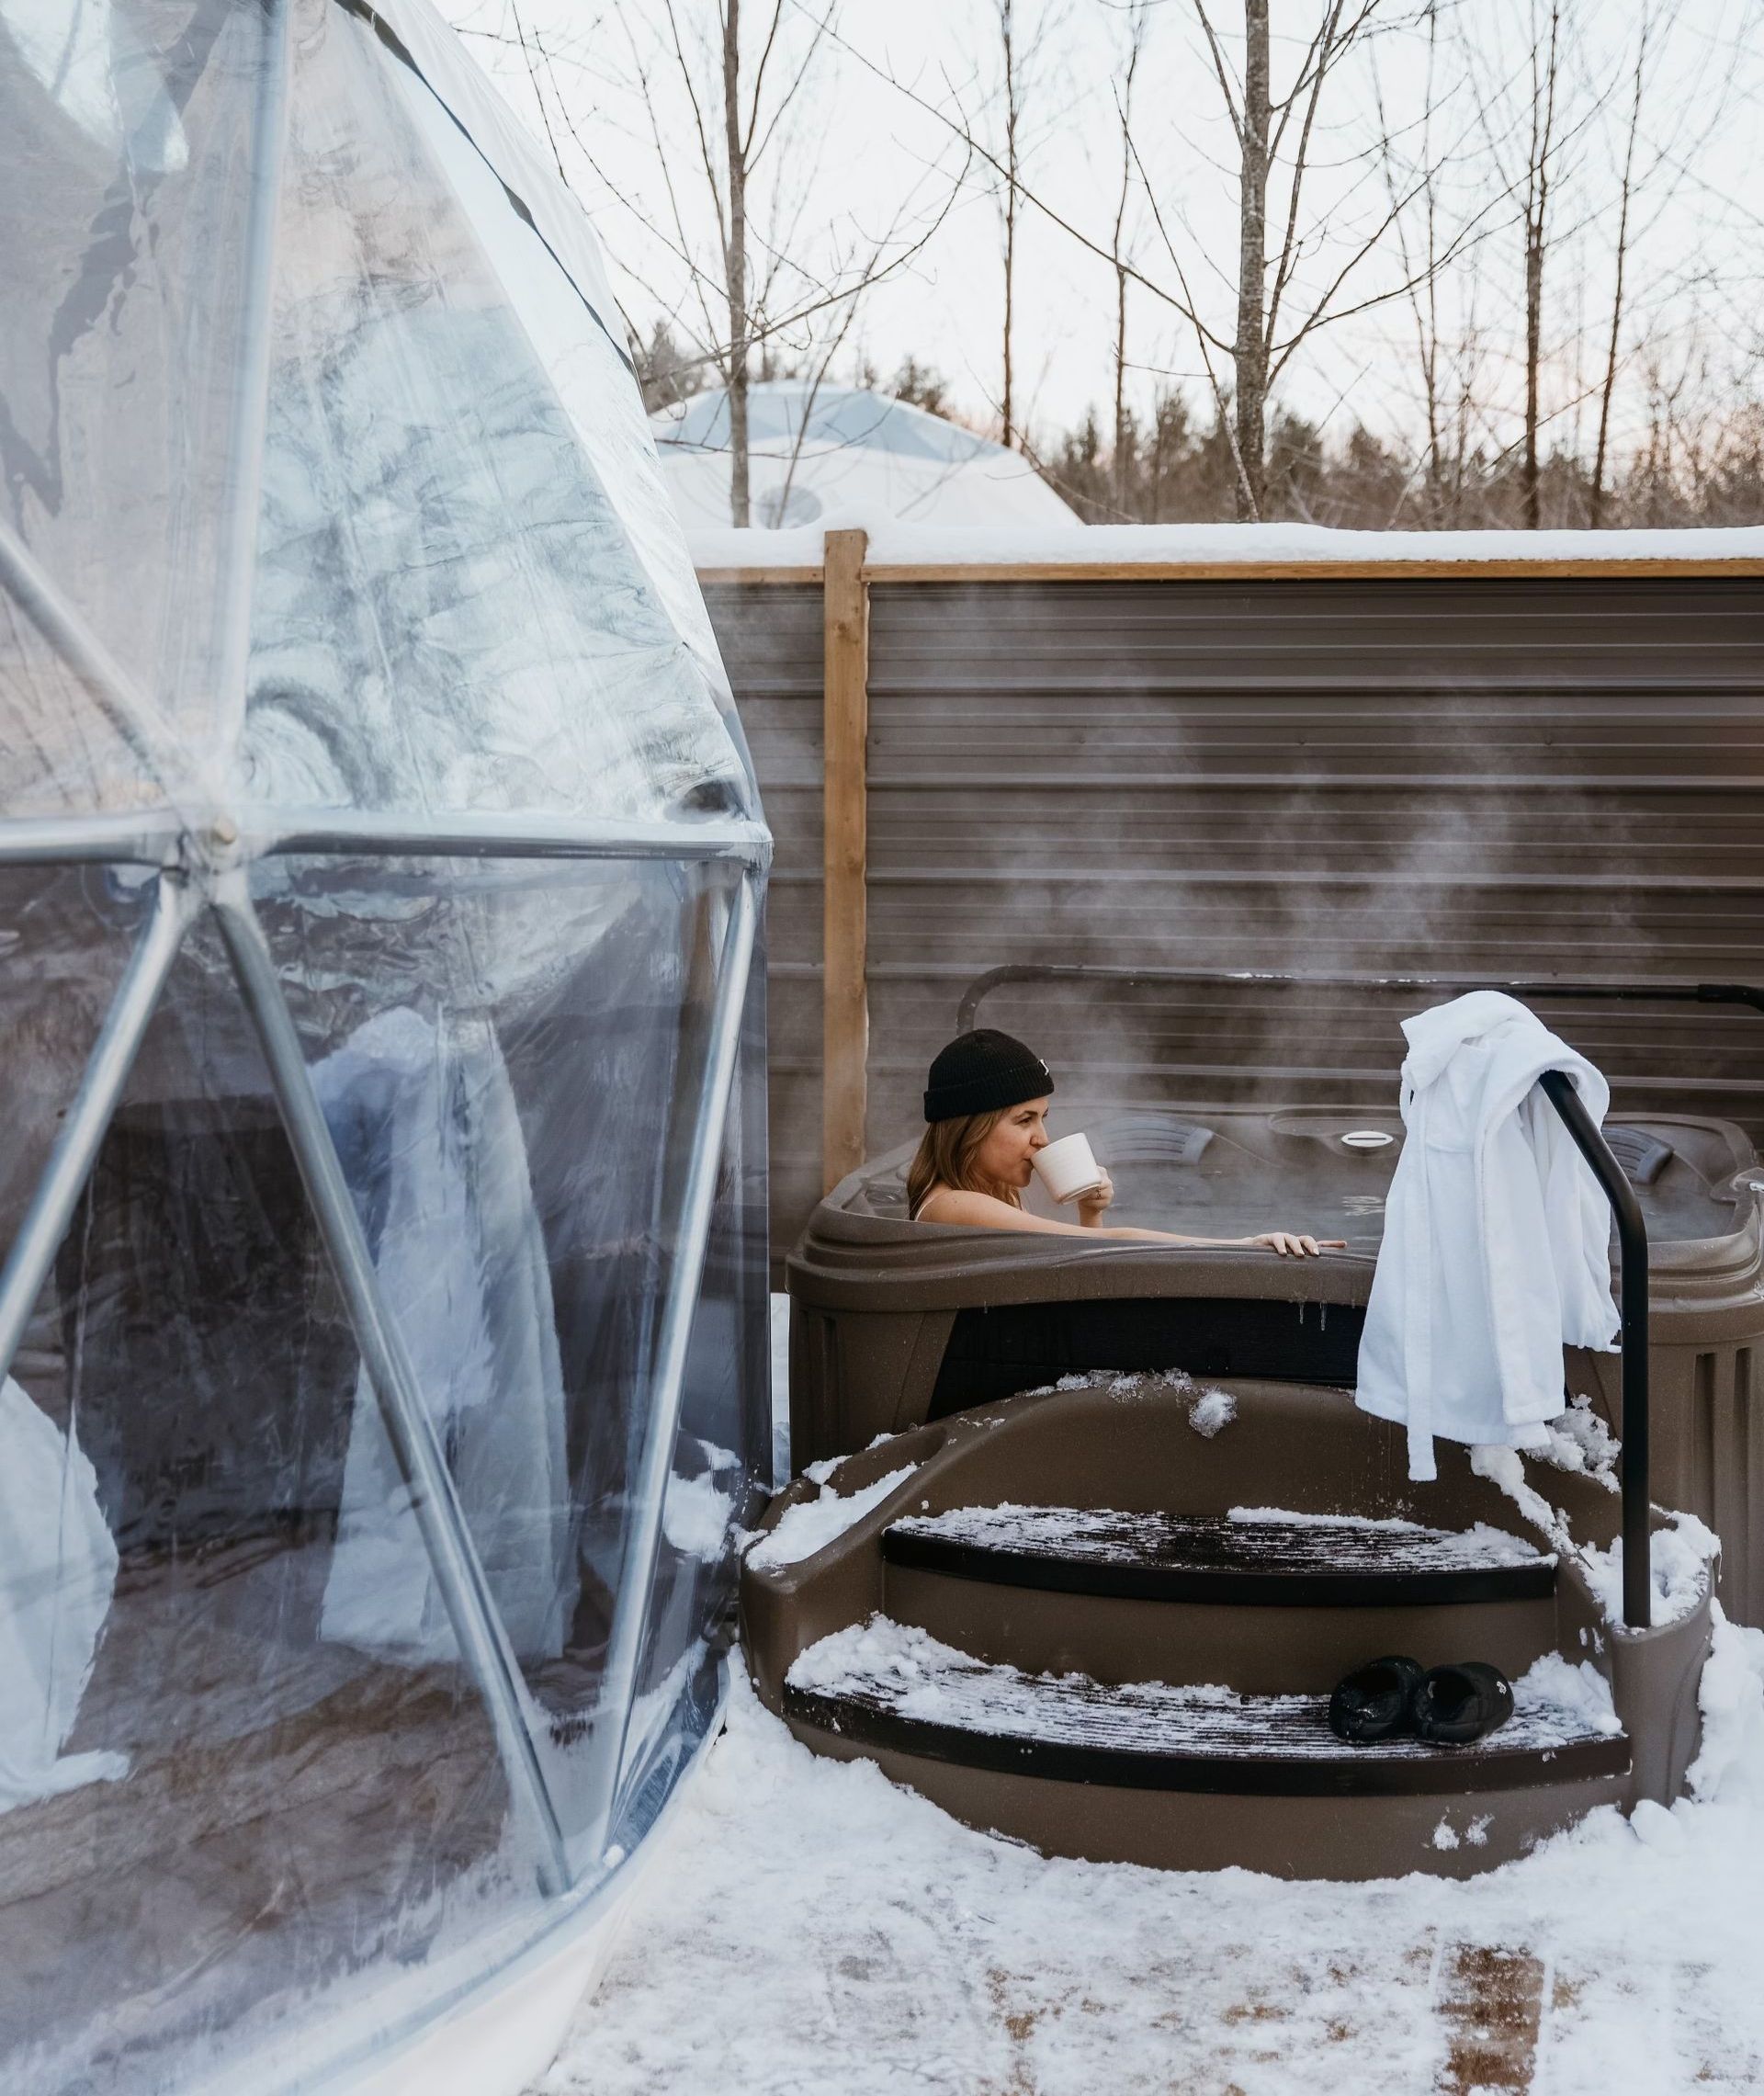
(1175, 467)
(1505, 253)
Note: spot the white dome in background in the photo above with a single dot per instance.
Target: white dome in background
(814, 449)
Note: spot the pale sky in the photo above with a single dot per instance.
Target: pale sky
(857, 156)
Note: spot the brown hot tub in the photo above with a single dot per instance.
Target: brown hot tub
(893, 1322)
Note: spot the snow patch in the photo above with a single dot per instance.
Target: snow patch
(891, 542)
(1286, 1517)
(1479, 1544)
(1730, 1762)
(1579, 1440)
(1505, 1467)
(1651, 1823)
(1573, 1692)
(1211, 1411)
(1680, 1558)
(812, 1524)
(695, 1517)
(820, 1472)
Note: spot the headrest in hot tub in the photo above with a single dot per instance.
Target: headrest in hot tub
(1642, 1156)
(1154, 1139)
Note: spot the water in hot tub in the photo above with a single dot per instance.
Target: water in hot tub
(1327, 1173)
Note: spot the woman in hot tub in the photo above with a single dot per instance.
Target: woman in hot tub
(985, 1103)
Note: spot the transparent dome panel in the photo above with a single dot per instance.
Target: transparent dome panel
(62, 750)
(66, 936)
(568, 314)
(451, 612)
(721, 1463)
(510, 1057)
(250, 1819)
(128, 129)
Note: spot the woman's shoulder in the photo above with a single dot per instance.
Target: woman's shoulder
(962, 1205)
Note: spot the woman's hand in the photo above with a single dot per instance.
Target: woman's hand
(1285, 1241)
(1093, 1206)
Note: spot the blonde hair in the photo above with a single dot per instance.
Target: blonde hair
(945, 1157)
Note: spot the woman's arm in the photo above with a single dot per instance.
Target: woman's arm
(983, 1211)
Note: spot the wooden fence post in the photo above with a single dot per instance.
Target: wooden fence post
(845, 720)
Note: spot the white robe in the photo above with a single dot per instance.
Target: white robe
(1497, 1248)
(462, 1268)
(58, 1572)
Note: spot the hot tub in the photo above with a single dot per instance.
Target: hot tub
(895, 1322)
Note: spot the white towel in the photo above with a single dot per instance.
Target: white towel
(1497, 1235)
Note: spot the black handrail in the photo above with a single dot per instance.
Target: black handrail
(1259, 979)
(1558, 1088)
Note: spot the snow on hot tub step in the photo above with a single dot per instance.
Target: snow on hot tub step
(893, 1688)
(1259, 1556)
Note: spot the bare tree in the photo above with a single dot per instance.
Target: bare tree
(1268, 284)
(1282, 315)
(1021, 41)
(718, 94)
(1625, 189)
(1120, 245)
(1539, 166)
(1012, 116)
(1420, 181)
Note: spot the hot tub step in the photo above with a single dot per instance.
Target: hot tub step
(887, 1686)
(1257, 1557)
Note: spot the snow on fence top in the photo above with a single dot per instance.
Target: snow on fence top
(920, 547)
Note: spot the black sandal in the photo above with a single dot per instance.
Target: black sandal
(1456, 1704)
(1375, 1701)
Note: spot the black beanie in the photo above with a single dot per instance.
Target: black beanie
(983, 1072)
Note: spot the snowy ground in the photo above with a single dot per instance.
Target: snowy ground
(806, 1929)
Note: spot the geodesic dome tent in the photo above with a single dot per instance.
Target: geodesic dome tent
(819, 450)
(382, 1178)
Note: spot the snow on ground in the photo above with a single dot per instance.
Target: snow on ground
(806, 1929)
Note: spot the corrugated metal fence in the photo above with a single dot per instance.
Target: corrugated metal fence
(1375, 769)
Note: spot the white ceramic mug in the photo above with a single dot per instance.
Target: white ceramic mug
(1069, 1167)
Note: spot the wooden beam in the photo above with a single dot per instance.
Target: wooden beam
(845, 718)
(760, 578)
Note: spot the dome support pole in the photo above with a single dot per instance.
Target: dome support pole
(637, 1575)
(460, 1575)
(248, 433)
(344, 832)
(77, 1146)
(150, 838)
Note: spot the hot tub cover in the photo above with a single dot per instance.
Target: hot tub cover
(382, 1182)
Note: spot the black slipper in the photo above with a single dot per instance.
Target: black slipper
(1454, 1705)
(1374, 1702)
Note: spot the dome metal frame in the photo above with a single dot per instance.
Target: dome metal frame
(201, 848)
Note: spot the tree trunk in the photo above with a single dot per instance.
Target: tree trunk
(1120, 460)
(1534, 357)
(1250, 352)
(1007, 32)
(1536, 240)
(1596, 508)
(735, 268)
